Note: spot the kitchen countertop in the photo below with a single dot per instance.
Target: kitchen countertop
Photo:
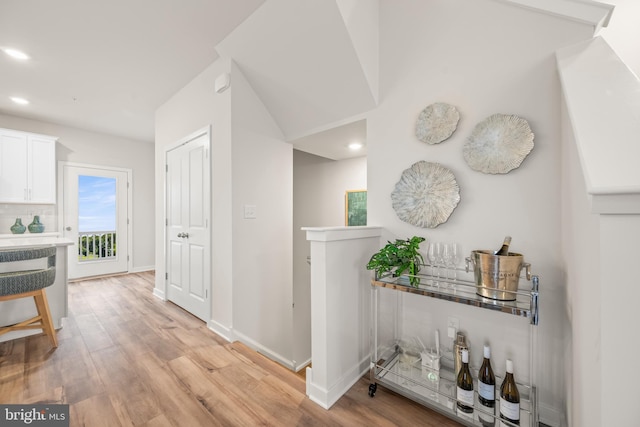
(16, 241)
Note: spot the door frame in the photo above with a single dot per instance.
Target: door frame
(165, 237)
(60, 198)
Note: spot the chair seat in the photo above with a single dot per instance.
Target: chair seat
(30, 283)
(20, 282)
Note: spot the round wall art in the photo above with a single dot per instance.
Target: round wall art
(498, 144)
(437, 122)
(426, 194)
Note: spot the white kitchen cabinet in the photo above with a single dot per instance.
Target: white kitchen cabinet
(27, 167)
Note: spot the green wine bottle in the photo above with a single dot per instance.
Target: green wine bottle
(509, 397)
(486, 390)
(464, 382)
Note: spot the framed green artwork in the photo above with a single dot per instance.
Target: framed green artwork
(355, 207)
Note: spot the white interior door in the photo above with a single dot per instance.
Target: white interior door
(95, 217)
(187, 236)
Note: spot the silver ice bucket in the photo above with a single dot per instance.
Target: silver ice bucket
(497, 276)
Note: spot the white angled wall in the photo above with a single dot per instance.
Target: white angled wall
(262, 177)
(251, 166)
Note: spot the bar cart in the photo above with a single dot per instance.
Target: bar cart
(437, 389)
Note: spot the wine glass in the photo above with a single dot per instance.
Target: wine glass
(439, 258)
(447, 258)
(456, 258)
(431, 256)
(435, 259)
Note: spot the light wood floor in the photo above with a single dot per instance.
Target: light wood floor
(126, 358)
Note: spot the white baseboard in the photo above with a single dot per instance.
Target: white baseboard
(142, 269)
(326, 398)
(265, 351)
(159, 293)
(299, 366)
(231, 336)
(221, 330)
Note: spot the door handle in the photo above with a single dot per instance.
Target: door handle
(68, 228)
(180, 235)
(186, 235)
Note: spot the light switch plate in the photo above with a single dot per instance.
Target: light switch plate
(453, 324)
(250, 212)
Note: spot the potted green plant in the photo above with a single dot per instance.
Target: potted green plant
(397, 258)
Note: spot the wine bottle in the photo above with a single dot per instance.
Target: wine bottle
(509, 397)
(504, 250)
(487, 389)
(464, 382)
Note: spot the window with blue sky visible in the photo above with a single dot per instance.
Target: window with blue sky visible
(96, 203)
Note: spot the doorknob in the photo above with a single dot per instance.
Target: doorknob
(68, 228)
(180, 235)
(185, 235)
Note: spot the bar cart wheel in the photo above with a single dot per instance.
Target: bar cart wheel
(372, 389)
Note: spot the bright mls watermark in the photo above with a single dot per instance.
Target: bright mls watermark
(34, 415)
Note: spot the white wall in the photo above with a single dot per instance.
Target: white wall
(262, 176)
(319, 186)
(492, 58)
(194, 107)
(251, 165)
(623, 32)
(601, 219)
(580, 249)
(80, 146)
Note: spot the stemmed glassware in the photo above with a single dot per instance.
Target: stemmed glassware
(444, 256)
(447, 258)
(452, 257)
(432, 256)
(456, 259)
(439, 259)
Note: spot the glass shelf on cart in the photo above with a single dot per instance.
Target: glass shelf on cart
(458, 291)
(438, 389)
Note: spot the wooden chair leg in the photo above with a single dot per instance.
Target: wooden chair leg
(43, 310)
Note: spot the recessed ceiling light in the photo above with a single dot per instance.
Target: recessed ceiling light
(17, 54)
(20, 101)
(355, 146)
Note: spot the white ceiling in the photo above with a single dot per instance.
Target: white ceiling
(106, 66)
(333, 143)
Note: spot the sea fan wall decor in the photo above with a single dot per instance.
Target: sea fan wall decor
(498, 144)
(437, 122)
(426, 194)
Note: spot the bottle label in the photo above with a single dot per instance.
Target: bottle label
(487, 391)
(465, 396)
(510, 410)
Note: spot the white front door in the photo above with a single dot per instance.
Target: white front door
(95, 216)
(187, 237)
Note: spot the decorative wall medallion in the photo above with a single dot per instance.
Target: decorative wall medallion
(426, 194)
(498, 144)
(437, 122)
